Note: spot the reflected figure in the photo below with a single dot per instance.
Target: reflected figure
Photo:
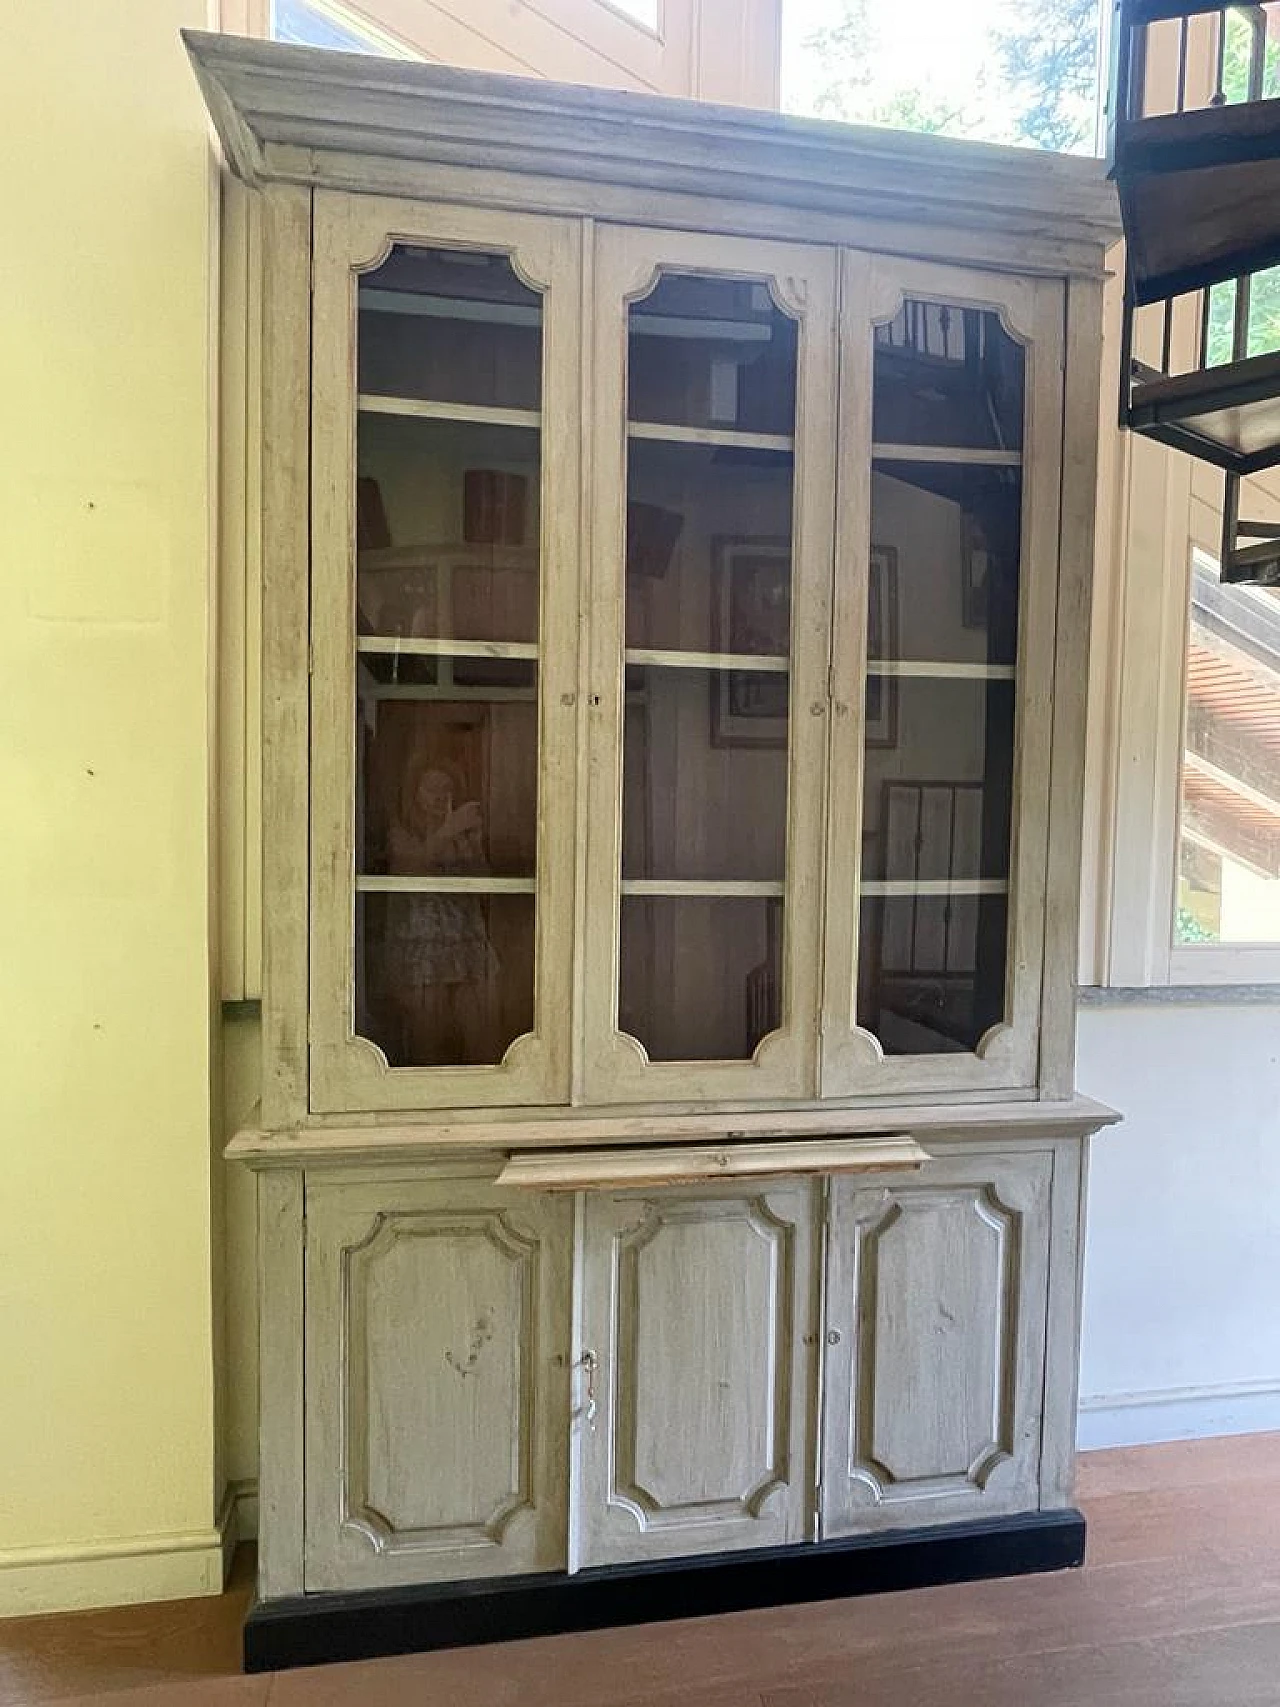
(441, 967)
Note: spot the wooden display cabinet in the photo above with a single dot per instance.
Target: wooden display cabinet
(677, 538)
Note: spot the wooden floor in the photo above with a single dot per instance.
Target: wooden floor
(1179, 1606)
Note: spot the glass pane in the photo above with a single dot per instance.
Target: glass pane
(932, 973)
(948, 376)
(447, 529)
(700, 978)
(1229, 866)
(949, 536)
(707, 629)
(712, 353)
(444, 980)
(726, 732)
(942, 644)
(708, 548)
(447, 788)
(937, 797)
(450, 326)
(447, 615)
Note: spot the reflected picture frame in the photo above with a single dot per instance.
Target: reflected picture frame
(880, 728)
(750, 613)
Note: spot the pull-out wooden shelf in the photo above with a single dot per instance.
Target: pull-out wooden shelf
(678, 1164)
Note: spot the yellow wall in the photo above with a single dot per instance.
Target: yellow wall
(107, 1458)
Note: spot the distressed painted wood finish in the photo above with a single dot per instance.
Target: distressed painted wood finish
(936, 1299)
(1032, 312)
(802, 281)
(349, 1072)
(437, 1382)
(285, 546)
(281, 1475)
(357, 124)
(697, 1343)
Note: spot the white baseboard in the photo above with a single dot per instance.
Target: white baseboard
(1177, 1413)
(117, 1573)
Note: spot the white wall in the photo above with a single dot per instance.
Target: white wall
(1182, 1266)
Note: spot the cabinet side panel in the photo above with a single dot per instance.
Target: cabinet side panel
(286, 364)
(1071, 685)
(1062, 1349)
(280, 1382)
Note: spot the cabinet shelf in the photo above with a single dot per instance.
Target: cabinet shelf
(673, 889)
(935, 886)
(446, 885)
(930, 670)
(724, 438)
(957, 455)
(430, 307)
(464, 414)
(433, 554)
(751, 661)
(417, 646)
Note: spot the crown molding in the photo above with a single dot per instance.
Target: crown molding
(302, 115)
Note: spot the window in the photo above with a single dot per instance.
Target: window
(327, 23)
(984, 69)
(1229, 856)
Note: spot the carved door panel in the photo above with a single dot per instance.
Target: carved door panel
(698, 1346)
(937, 1288)
(437, 1384)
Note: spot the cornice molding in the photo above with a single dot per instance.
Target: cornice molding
(295, 115)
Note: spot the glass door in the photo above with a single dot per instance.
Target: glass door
(444, 655)
(713, 487)
(943, 642)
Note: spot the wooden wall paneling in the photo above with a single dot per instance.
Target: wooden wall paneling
(933, 1376)
(437, 1356)
(349, 1072)
(285, 543)
(699, 1318)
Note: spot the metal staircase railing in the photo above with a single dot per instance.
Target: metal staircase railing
(1199, 189)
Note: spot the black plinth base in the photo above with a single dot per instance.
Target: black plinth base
(316, 1628)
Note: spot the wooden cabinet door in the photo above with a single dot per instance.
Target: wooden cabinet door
(694, 1373)
(712, 451)
(444, 707)
(937, 1290)
(437, 1339)
(947, 543)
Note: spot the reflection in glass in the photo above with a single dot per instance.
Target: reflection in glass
(448, 527)
(708, 548)
(710, 353)
(938, 803)
(942, 646)
(449, 326)
(447, 616)
(444, 980)
(932, 972)
(681, 725)
(707, 655)
(948, 376)
(955, 534)
(700, 978)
